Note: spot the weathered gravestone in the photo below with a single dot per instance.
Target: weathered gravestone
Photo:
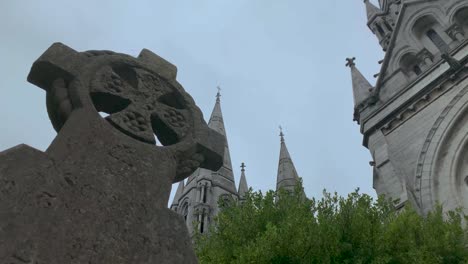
(100, 191)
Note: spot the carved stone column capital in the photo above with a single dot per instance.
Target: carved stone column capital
(455, 32)
(425, 58)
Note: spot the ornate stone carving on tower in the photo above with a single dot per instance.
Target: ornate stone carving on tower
(416, 123)
(99, 193)
(204, 188)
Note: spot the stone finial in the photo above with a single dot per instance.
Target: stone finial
(350, 62)
(218, 95)
(281, 133)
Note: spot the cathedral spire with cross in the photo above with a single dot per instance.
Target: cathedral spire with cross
(243, 187)
(204, 188)
(218, 95)
(287, 177)
(361, 87)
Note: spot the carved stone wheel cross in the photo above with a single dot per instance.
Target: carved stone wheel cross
(99, 193)
(140, 97)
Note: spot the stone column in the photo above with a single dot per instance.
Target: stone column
(425, 59)
(455, 32)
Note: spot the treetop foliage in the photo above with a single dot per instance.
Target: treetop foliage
(285, 227)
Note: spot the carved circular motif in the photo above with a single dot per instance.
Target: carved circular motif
(139, 103)
(138, 96)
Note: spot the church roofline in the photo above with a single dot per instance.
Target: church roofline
(366, 131)
(375, 95)
(382, 77)
(388, 53)
(391, 46)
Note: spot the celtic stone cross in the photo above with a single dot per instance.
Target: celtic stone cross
(99, 193)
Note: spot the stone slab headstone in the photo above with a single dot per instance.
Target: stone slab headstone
(99, 193)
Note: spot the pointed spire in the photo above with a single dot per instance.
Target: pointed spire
(361, 87)
(243, 187)
(371, 9)
(216, 120)
(217, 123)
(287, 177)
(178, 195)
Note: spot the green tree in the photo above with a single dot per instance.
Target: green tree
(286, 227)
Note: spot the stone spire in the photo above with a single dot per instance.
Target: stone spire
(380, 24)
(217, 123)
(178, 195)
(205, 188)
(243, 187)
(371, 9)
(361, 87)
(216, 120)
(287, 177)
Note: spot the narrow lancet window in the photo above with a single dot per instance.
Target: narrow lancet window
(387, 25)
(202, 223)
(185, 211)
(204, 193)
(380, 30)
(437, 40)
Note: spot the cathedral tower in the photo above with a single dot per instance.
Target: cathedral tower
(415, 118)
(197, 200)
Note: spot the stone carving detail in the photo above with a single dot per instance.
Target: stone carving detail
(422, 102)
(425, 58)
(99, 193)
(422, 189)
(455, 32)
(414, 108)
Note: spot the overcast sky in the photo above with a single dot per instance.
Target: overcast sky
(279, 62)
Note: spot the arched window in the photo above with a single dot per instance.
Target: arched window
(205, 189)
(184, 211)
(437, 40)
(426, 30)
(461, 18)
(409, 64)
(202, 223)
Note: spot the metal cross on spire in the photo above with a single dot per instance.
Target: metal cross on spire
(350, 62)
(218, 95)
(243, 167)
(281, 133)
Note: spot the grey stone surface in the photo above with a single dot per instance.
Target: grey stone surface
(417, 130)
(99, 192)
